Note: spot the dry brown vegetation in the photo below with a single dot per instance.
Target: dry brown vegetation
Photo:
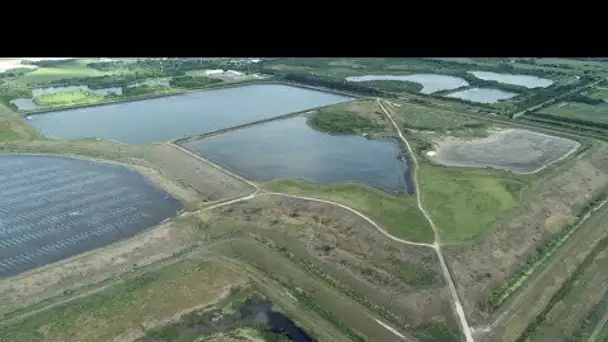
(483, 266)
(536, 300)
(406, 280)
(105, 265)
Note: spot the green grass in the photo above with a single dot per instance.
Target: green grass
(600, 93)
(13, 127)
(465, 203)
(52, 74)
(148, 298)
(6, 131)
(398, 215)
(579, 111)
(71, 98)
(333, 120)
(414, 116)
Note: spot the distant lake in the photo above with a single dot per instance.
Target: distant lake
(527, 81)
(291, 149)
(430, 82)
(482, 95)
(172, 117)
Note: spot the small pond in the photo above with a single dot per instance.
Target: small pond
(482, 95)
(25, 104)
(172, 117)
(291, 149)
(430, 82)
(527, 81)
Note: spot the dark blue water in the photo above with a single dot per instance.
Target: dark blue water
(291, 149)
(54, 207)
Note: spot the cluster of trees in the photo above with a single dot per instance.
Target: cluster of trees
(342, 122)
(477, 82)
(395, 86)
(99, 82)
(580, 98)
(175, 66)
(8, 93)
(335, 84)
(544, 94)
(14, 72)
(503, 66)
(192, 81)
(568, 120)
(142, 90)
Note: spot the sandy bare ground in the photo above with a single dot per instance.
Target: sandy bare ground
(516, 150)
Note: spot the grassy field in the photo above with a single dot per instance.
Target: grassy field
(582, 111)
(366, 116)
(129, 307)
(398, 215)
(417, 117)
(65, 99)
(465, 203)
(13, 127)
(52, 74)
(600, 93)
(362, 116)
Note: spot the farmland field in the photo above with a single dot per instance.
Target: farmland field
(514, 150)
(580, 111)
(54, 207)
(50, 74)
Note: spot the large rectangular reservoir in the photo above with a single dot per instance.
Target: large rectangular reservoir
(167, 118)
(289, 148)
(54, 207)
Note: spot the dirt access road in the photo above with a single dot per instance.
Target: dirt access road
(466, 329)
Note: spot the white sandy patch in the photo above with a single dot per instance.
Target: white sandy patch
(431, 153)
(391, 329)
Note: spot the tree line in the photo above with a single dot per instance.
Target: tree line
(568, 120)
(330, 83)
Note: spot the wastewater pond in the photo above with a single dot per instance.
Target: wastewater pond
(482, 95)
(527, 81)
(289, 148)
(172, 117)
(54, 207)
(430, 82)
